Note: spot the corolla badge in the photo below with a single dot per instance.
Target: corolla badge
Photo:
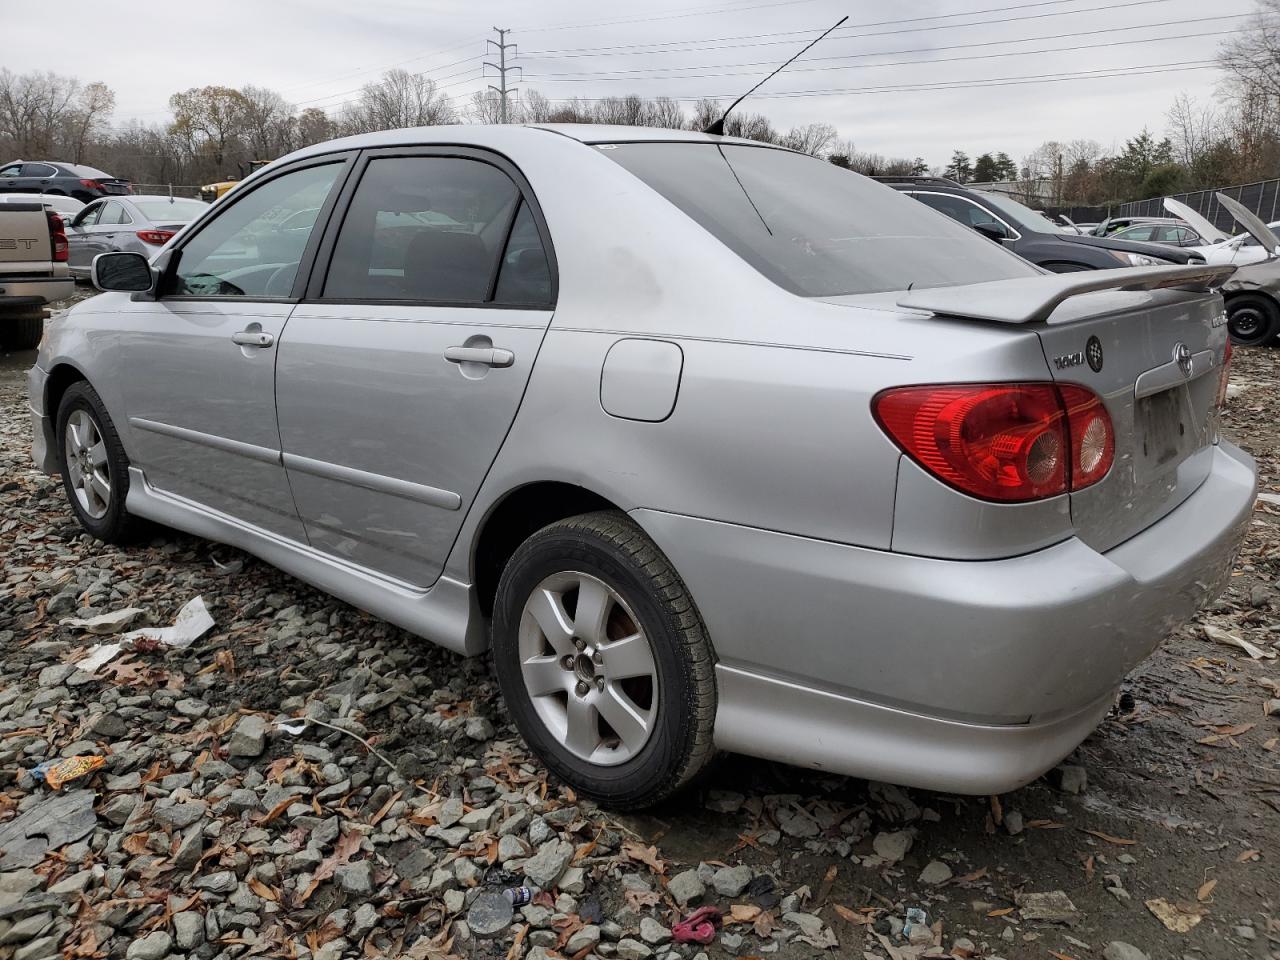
(1093, 353)
(1182, 356)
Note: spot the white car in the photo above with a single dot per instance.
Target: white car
(1240, 249)
(65, 207)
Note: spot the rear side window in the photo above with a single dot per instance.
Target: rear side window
(436, 229)
(38, 170)
(811, 227)
(959, 209)
(115, 213)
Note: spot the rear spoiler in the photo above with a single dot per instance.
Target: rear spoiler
(1033, 299)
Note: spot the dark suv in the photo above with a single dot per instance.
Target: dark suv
(1032, 235)
(67, 179)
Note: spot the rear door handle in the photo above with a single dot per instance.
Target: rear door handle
(253, 338)
(489, 356)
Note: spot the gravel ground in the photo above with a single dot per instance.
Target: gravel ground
(402, 794)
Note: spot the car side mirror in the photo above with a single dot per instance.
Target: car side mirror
(992, 231)
(128, 272)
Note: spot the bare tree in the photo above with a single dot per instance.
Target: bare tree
(534, 107)
(89, 123)
(314, 126)
(1192, 128)
(209, 120)
(399, 99)
(484, 107)
(666, 112)
(34, 110)
(1252, 58)
(269, 122)
(814, 139)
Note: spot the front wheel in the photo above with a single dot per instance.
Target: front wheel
(604, 661)
(95, 470)
(1252, 319)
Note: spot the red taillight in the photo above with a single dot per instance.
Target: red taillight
(57, 236)
(1009, 442)
(91, 184)
(156, 237)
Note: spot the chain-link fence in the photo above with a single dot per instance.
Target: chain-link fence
(1263, 198)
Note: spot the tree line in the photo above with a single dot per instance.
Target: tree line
(215, 129)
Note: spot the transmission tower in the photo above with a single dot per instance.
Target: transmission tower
(502, 68)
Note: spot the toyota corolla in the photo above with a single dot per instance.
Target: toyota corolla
(714, 445)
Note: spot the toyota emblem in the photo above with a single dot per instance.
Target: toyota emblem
(1182, 356)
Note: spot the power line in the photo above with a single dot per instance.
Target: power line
(594, 78)
(422, 56)
(893, 53)
(343, 93)
(680, 15)
(632, 49)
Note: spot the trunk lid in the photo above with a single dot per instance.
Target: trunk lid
(25, 247)
(1152, 350)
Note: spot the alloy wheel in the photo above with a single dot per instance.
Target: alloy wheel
(87, 467)
(588, 668)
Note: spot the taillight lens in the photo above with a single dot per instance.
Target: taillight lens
(155, 237)
(57, 236)
(91, 184)
(1008, 442)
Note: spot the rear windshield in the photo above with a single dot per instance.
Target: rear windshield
(813, 228)
(171, 211)
(80, 171)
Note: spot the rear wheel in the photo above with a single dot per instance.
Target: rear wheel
(604, 662)
(22, 332)
(95, 470)
(1252, 319)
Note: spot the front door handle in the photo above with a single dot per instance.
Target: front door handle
(489, 356)
(253, 338)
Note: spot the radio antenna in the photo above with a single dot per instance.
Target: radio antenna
(717, 128)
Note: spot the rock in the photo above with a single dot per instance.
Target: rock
(490, 914)
(1119, 950)
(47, 826)
(451, 811)
(629, 949)
(1072, 779)
(355, 877)
(731, 881)
(222, 882)
(686, 887)
(584, 939)
(543, 869)
(108, 725)
(724, 801)
(119, 808)
(892, 847)
(1013, 823)
(249, 738)
(797, 823)
(188, 930)
(935, 873)
(180, 815)
(479, 729)
(1052, 906)
(573, 881)
(153, 946)
(652, 932)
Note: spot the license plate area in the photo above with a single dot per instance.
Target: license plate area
(1166, 430)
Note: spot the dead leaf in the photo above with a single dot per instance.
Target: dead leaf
(278, 809)
(864, 918)
(1234, 731)
(1247, 855)
(646, 855)
(1002, 912)
(637, 900)
(1206, 889)
(348, 844)
(1060, 956)
(747, 912)
(386, 808)
(1045, 824)
(1119, 841)
(263, 891)
(764, 925)
(1175, 917)
(1218, 635)
(136, 843)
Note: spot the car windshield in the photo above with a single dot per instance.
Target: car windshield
(811, 227)
(164, 210)
(1023, 216)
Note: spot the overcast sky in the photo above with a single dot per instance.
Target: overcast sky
(318, 53)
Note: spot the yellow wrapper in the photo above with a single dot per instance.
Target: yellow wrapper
(71, 769)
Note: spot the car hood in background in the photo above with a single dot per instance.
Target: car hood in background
(1157, 250)
(1251, 222)
(1207, 230)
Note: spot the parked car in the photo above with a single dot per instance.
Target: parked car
(1115, 224)
(1241, 249)
(1174, 234)
(141, 223)
(68, 179)
(33, 270)
(1029, 234)
(65, 207)
(715, 445)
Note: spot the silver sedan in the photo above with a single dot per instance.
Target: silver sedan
(713, 445)
(142, 224)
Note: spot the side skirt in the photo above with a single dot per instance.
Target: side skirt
(446, 614)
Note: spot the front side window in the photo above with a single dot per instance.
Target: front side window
(811, 227)
(961, 209)
(12, 170)
(253, 247)
(89, 216)
(424, 229)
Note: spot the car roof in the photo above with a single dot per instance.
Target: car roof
(502, 136)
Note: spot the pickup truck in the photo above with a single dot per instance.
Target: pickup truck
(33, 270)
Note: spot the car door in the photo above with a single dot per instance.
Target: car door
(83, 241)
(9, 175)
(400, 373)
(38, 177)
(113, 226)
(197, 363)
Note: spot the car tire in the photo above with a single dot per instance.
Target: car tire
(1252, 319)
(94, 467)
(23, 332)
(617, 699)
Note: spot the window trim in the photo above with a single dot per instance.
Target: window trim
(323, 259)
(343, 159)
(1014, 234)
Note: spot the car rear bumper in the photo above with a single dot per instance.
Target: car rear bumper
(35, 291)
(970, 676)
